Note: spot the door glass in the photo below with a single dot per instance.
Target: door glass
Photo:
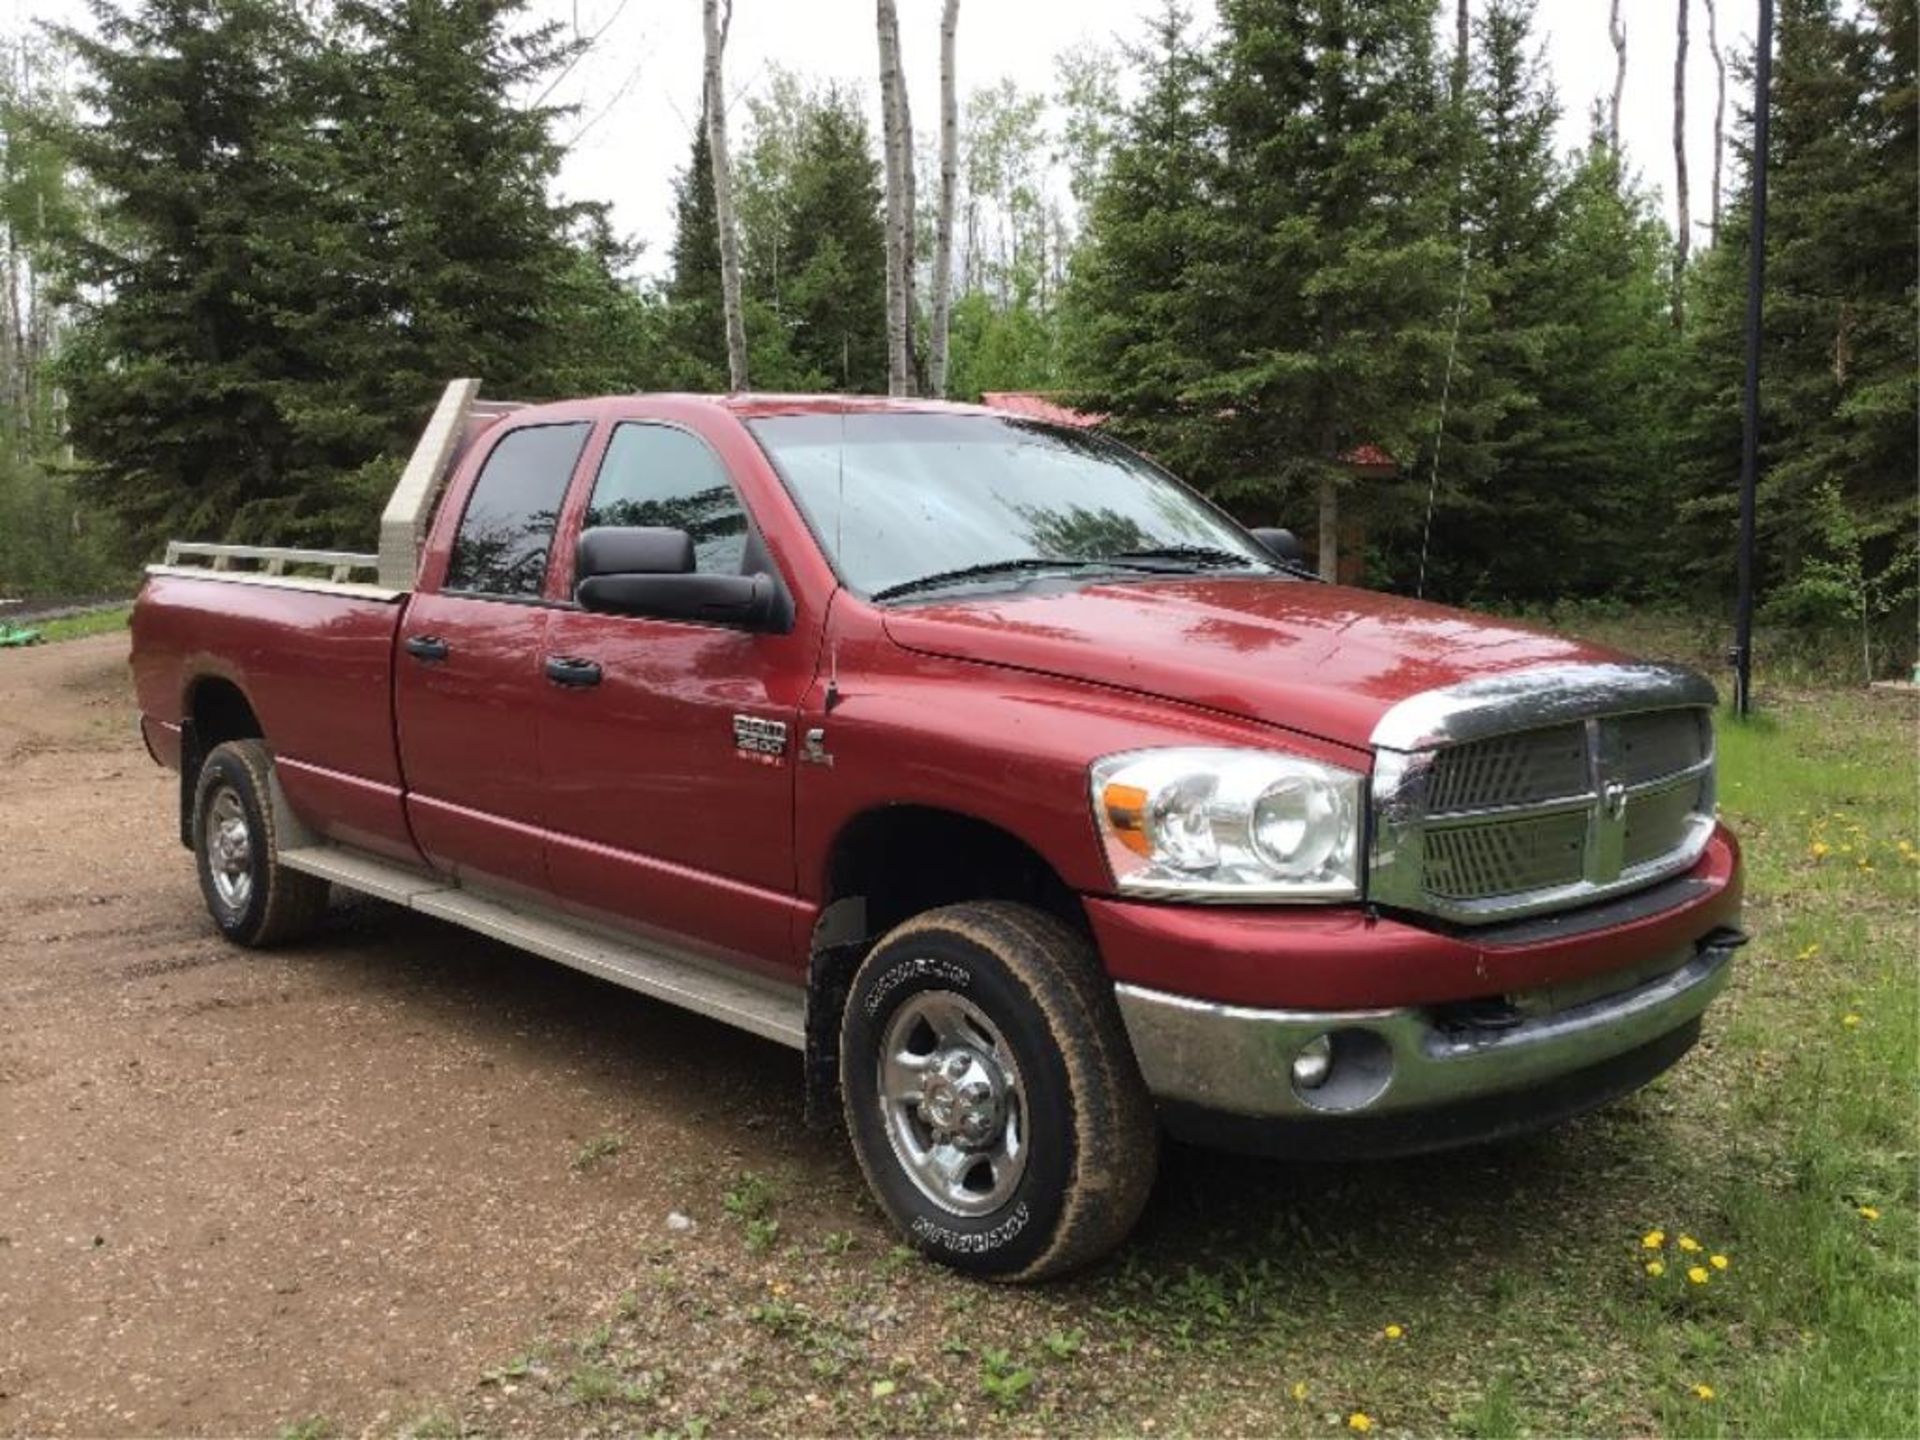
(656, 475)
(502, 544)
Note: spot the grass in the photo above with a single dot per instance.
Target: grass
(1257, 1298)
(78, 627)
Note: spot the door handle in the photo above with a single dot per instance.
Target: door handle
(572, 671)
(430, 648)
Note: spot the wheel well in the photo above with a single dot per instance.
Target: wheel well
(887, 866)
(905, 859)
(216, 711)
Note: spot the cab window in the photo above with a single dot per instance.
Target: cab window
(504, 536)
(657, 475)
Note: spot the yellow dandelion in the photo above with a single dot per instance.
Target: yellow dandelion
(1360, 1420)
(1869, 1212)
(1705, 1392)
(1719, 1262)
(1850, 1020)
(1689, 1244)
(1819, 849)
(1656, 1268)
(1393, 1332)
(1653, 1239)
(1697, 1274)
(1299, 1390)
(1808, 953)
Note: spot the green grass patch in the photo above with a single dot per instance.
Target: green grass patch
(78, 627)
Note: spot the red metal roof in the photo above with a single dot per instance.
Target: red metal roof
(1036, 406)
(1370, 457)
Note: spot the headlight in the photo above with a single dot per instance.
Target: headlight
(1208, 824)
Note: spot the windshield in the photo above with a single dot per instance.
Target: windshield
(919, 501)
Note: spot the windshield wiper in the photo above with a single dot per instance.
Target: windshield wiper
(989, 569)
(1214, 557)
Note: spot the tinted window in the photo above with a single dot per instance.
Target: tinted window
(656, 475)
(502, 544)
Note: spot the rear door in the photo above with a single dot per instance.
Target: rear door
(670, 775)
(469, 679)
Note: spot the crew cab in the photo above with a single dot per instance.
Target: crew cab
(1042, 808)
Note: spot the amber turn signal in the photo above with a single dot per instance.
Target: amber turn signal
(1126, 807)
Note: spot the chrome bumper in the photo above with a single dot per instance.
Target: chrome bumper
(1240, 1061)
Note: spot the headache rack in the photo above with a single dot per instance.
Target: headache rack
(457, 419)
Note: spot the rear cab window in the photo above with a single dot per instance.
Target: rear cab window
(506, 532)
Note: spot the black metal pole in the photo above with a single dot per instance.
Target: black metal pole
(1750, 417)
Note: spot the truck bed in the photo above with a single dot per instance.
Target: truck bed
(312, 658)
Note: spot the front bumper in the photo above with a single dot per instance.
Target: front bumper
(1391, 1067)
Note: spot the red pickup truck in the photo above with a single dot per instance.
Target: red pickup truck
(1039, 805)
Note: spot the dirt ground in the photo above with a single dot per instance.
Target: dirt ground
(238, 1189)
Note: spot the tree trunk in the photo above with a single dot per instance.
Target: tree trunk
(943, 222)
(1461, 20)
(1329, 526)
(1683, 234)
(1617, 32)
(1719, 113)
(716, 34)
(910, 233)
(895, 158)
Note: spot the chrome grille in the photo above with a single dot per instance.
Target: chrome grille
(1658, 821)
(1504, 857)
(1521, 769)
(1509, 819)
(1660, 743)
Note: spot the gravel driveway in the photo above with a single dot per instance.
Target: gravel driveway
(337, 1179)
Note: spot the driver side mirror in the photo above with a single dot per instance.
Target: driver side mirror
(1282, 545)
(648, 570)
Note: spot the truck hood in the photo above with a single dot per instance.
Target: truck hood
(1325, 660)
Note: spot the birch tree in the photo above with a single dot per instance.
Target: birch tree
(716, 107)
(943, 223)
(1683, 233)
(1719, 113)
(1617, 33)
(897, 152)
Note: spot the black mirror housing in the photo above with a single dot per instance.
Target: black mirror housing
(743, 600)
(633, 550)
(1282, 545)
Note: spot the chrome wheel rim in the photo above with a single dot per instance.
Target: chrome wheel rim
(229, 847)
(955, 1109)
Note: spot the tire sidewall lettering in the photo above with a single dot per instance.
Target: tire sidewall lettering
(975, 1242)
(923, 967)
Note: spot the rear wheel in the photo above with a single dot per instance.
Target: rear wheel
(253, 898)
(991, 1095)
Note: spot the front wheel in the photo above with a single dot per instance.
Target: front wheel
(992, 1098)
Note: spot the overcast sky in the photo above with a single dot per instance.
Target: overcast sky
(638, 88)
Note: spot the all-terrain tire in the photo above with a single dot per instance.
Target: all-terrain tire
(1015, 1005)
(254, 899)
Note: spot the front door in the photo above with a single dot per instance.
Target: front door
(670, 799)
(468, 676)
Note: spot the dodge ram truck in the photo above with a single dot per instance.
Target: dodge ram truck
(1039, 806)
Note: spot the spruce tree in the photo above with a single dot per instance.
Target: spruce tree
(1321, 299)
(1125, 325)
(696, 329)
(832, 303)
(1839, 366)
(180, 363)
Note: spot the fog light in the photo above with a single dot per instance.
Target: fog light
(1312, 1064)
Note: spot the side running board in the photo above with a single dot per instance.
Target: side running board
(775, 1013)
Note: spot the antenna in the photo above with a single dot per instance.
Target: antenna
(1440, 420)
